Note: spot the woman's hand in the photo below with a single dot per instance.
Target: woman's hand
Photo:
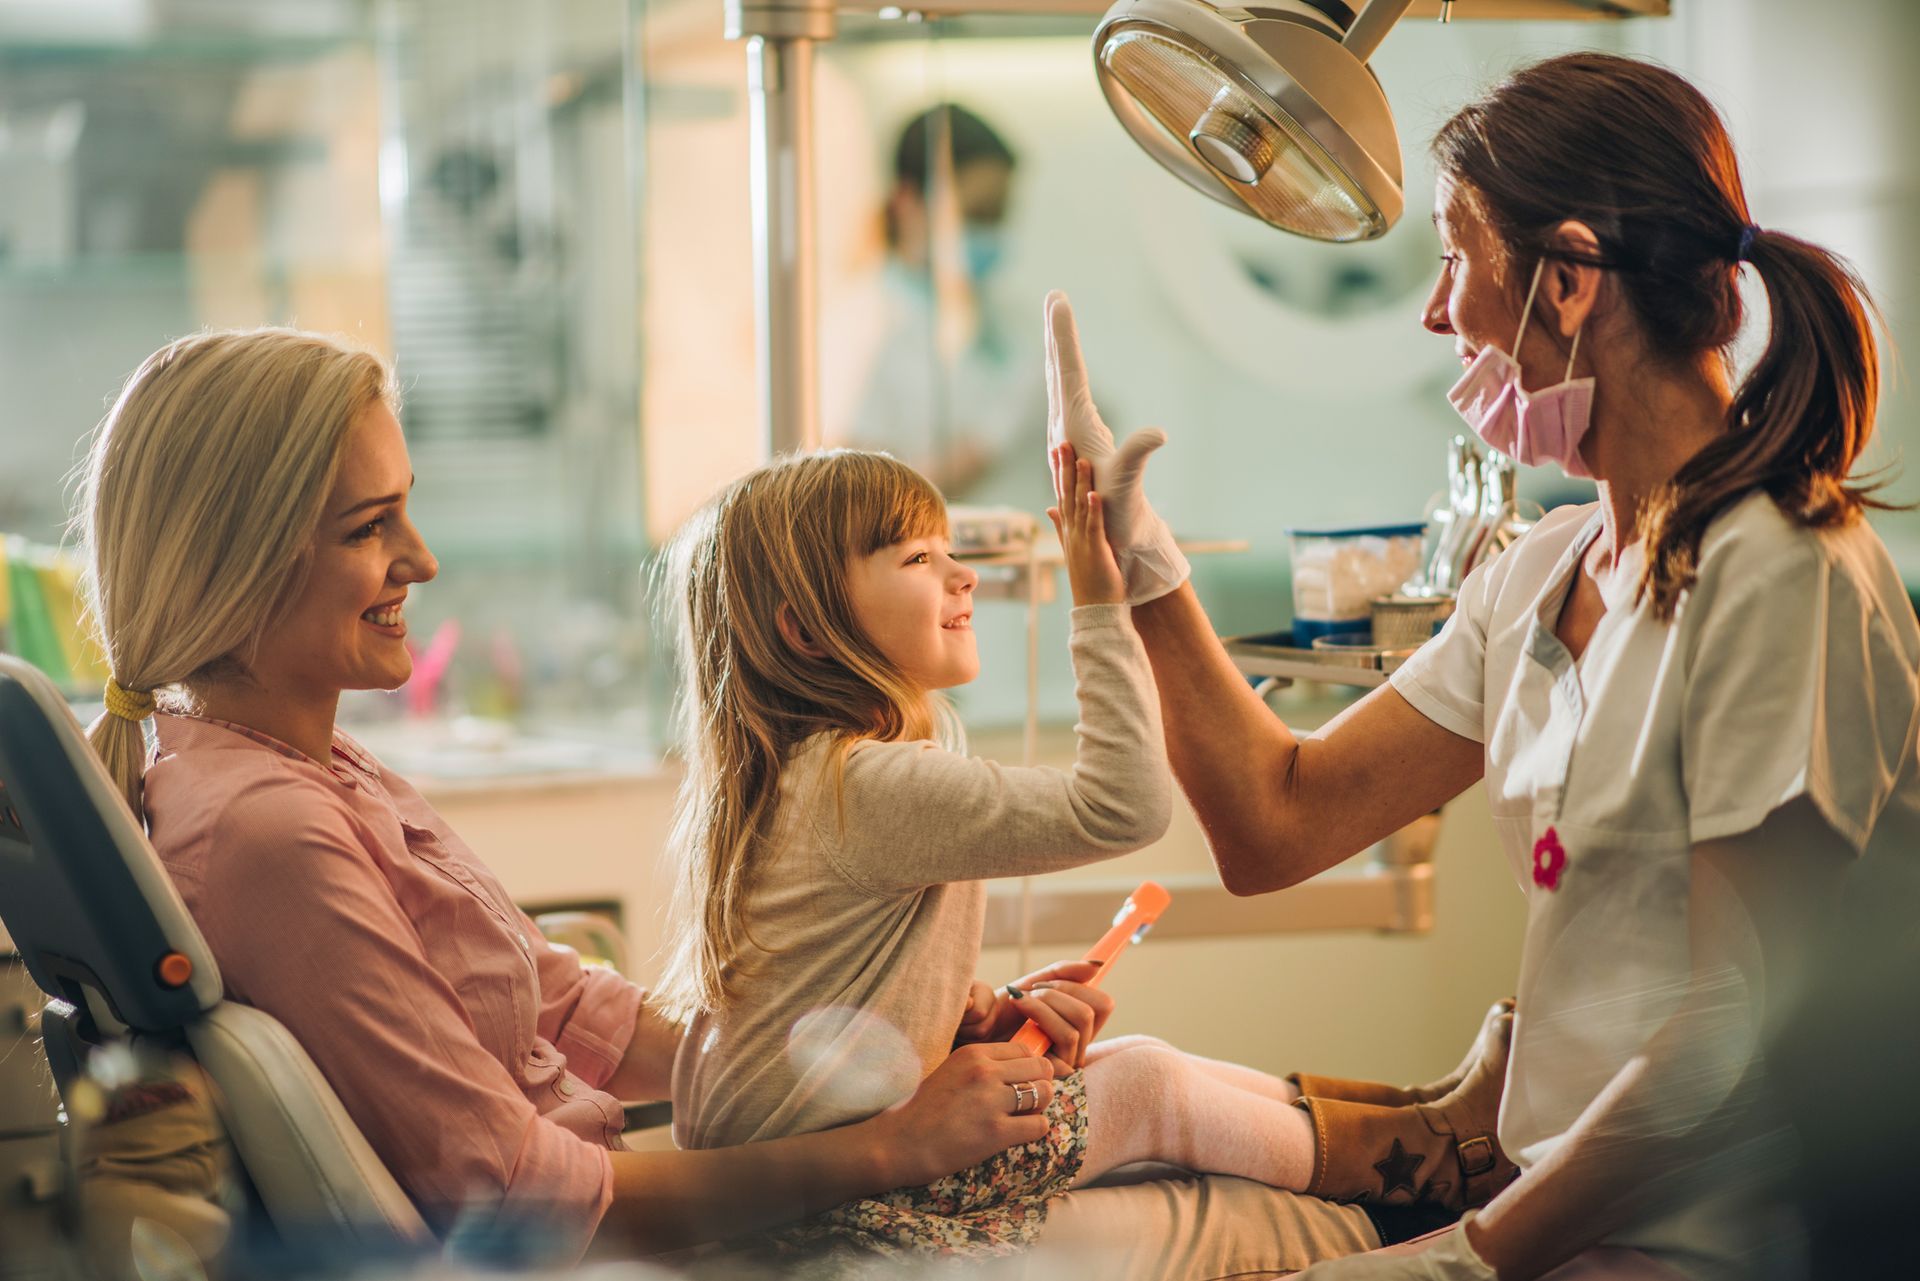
(1151, 564)
(1056, 998)
(964, 1112)
(1080, 519)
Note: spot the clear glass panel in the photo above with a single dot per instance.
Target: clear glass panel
(164, 167)
(451, 182)
(483, 187)
(507, 179)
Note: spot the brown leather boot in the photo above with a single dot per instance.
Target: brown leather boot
(1441, 1153)
(1496, 1026)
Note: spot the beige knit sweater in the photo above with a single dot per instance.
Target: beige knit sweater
(869, 929)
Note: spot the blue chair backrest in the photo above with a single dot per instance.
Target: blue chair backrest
(92, 912)
(82, 894)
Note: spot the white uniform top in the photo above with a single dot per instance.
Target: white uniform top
(1788, 670)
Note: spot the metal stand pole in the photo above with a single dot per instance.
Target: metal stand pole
(780, 36)
(1030, 739)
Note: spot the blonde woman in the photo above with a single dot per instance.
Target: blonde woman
(833, 846)
(245, 515)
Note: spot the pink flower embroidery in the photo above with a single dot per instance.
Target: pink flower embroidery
(1549, 860)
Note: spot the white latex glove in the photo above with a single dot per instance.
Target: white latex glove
(1149, 559)
(1443, 1256)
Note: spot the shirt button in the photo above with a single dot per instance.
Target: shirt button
(567, 1086)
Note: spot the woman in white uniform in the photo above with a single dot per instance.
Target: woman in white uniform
(1693, 703)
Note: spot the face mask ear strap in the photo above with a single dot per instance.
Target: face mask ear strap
(1526, 312)
(1571, 353)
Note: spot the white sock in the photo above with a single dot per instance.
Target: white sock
(1240, 1077)
(1252, 1080)
(1147, 1101)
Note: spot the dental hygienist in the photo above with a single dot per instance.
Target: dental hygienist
(1693, 702)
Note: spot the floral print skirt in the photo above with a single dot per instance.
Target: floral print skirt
(990, 1210)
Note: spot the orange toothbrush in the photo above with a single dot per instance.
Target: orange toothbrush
(1135, 917)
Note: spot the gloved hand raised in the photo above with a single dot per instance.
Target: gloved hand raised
(1149, 560)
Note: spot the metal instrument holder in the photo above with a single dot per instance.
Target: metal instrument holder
(1273, 656)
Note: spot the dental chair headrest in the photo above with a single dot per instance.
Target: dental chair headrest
(81, 892)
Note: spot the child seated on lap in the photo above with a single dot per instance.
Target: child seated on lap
(832, 845)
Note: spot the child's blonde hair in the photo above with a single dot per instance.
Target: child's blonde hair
(782, 537)
(199, 500)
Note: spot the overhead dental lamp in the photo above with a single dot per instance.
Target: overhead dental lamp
(1270, 110)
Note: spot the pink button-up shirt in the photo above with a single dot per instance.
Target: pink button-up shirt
(468, 1050)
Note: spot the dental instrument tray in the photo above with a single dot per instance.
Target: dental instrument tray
(1277, 654)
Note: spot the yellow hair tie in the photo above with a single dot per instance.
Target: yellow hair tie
(128, 705)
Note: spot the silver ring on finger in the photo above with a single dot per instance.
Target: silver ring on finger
(1026, 1098)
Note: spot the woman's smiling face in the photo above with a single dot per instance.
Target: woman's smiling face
(347, 628)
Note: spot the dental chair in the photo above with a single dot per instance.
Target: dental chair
(105, 935)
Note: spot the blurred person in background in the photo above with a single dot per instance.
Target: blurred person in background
(945, 391)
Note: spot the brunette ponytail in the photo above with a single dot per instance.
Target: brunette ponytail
(1641, 157)
(1798, 422)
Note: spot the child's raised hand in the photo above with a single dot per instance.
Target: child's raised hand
(1079, 517)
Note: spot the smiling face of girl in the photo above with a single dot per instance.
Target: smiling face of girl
(347, 627)
(914, 601)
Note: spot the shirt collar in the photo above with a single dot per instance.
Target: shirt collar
(1543, 645)
(178, 731)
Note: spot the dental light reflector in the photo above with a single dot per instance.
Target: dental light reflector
(1264, 110)
(1228, 139)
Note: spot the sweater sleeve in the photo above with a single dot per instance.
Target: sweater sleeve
(915, 814)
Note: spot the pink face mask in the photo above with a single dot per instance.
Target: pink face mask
(1532, 428)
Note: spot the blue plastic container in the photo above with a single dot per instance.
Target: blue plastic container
(1338, 572)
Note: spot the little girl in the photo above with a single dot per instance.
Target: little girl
(832, 846)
